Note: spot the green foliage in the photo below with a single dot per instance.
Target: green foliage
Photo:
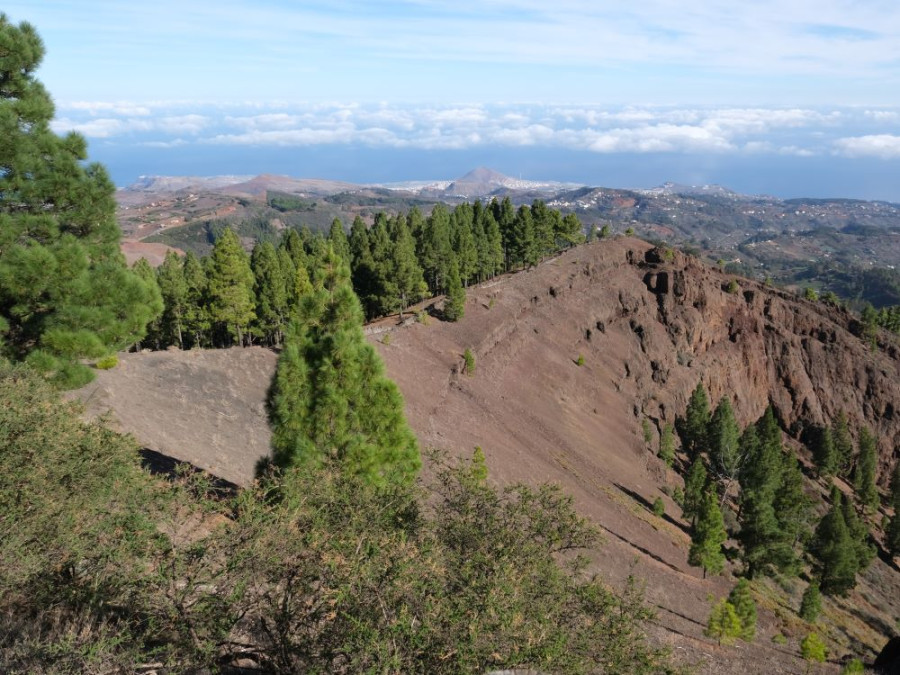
(302, 572)
(724, 442)
(469, 359)
(629, 232)
(79, 524)
(810, 294)
(892, 532)
(272, 291)
(811, 604)
(745, 608)
(646, 426)
(724, 624)
(693, 427)
(708, 535)
(835, 551)
(823, 451)
(65, 292)
(813, 649)
(864, 473)
(330, 402)
(230, 288)
(580, 360)
(853, 667)
(733, 287)
(605, 231)
(694, 486)
(843, 444)
(455, 302)
(779, 639)
(667, 445)
(107, 362)
(659, 507)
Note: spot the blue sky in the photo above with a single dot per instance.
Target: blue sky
(697, 89)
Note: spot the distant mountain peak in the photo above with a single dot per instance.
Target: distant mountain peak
(484, 175)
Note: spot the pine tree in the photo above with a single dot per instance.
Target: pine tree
(147, 274)
(745, 608)
(230, 288)
(196, 314)
(864, 473)
(384, 297)
(792, 508)
(724, 624)
(695, 422)
(708, 535)
(362, 264)
(694, 485)
(455, 303)
(493, 262)
(835, 550)
(435, 250)
(859, 534)
(667, 445)
(409, 283)
(66, 293)
(724, 444)
(174, 290)
(544, 234)
(505, 217)
(892, 535)
(464, 243)
(330, 401)
(272, 296)
(763, 546)
(339, 241)
(525, 248)
(811, 604)
(843, 444)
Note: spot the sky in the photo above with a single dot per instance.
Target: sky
(791, 98)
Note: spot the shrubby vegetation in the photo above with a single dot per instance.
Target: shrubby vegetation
(104, 567)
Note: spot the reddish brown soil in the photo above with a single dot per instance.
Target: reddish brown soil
(648, 331)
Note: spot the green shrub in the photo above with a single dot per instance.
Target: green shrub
(813, 649)
(779, 639)
(647, 431)
(580, 360)
(659, 507)
(853, 667)
(386, 339)
(629, 232)
(733, 287)
(107, 362)
(469, 358)
(422, 317)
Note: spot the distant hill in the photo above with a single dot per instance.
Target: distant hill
(826, 243)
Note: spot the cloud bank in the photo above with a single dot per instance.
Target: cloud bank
(803, 132)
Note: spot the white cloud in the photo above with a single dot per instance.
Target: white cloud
(883, 146)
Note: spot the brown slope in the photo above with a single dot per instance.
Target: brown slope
(648, 331)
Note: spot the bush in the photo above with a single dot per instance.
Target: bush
(580, 360)
(307, 571)
(659, 507)
(107, 362)
(779, 639)
(469, 358)
(422, 317)
(647, 431)
(853, 667)
(733, 287)
(813, 649)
